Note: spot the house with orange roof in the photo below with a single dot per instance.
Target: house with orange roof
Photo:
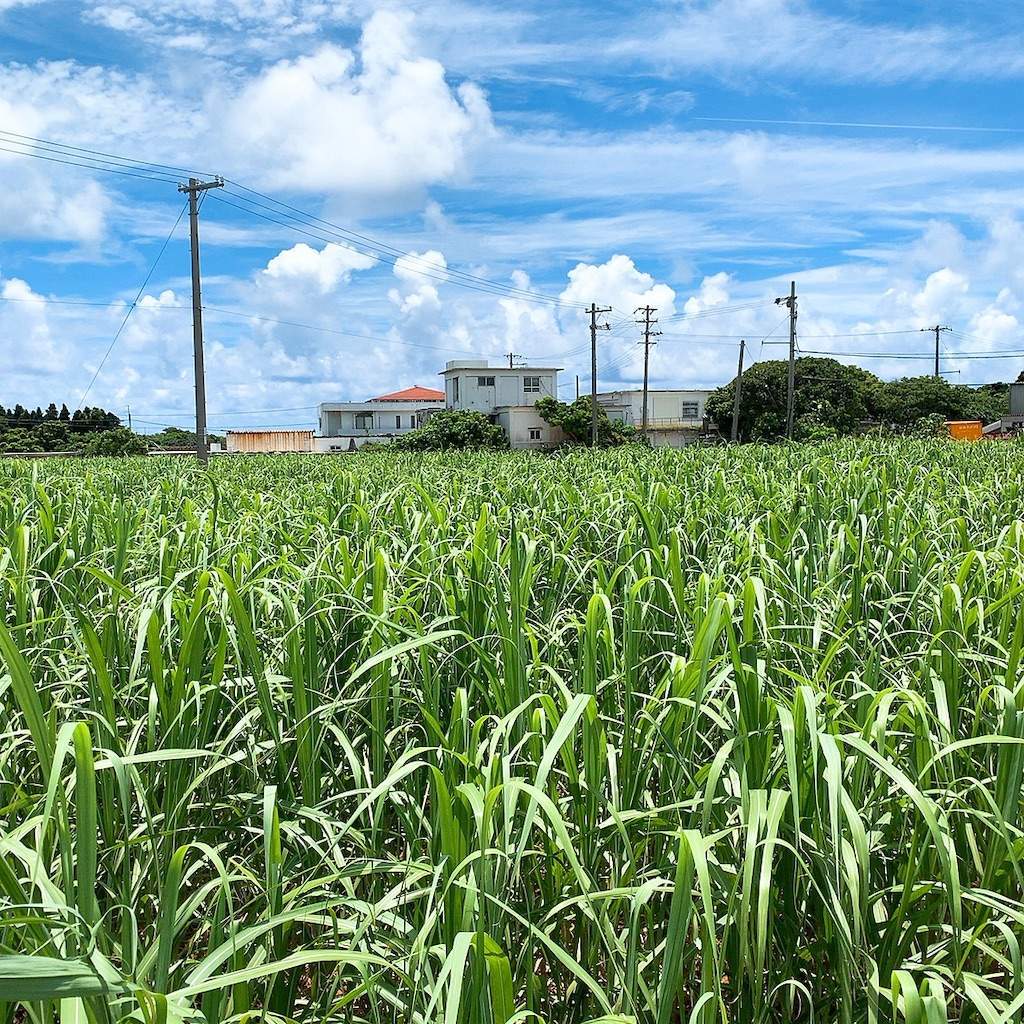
(345, 426)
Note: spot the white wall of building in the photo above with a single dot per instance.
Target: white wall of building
(472, 384)
(525, 428)
(665, 408)
(344, 444)
(372, 419)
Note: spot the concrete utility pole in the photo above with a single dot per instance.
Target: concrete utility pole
(938, 329)
(577, 387)
(192, 190)
(790, 301)
(646, 323)
(511, 356)
(736, 395)
(594, 328)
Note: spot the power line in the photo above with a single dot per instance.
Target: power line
(93, 153)
(131, 307)
(718, 310)
(232, 412)
(57, 152)
(272, 320)
(441, 274)
(909, 355)
(376, 244)
(89, 166)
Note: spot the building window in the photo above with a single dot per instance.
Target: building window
(534, 433)
(364, 421)
(398, 422)
(690, 410)
(531, 385)
(485, 382)
(455, 389)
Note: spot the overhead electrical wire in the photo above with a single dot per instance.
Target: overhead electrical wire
(131, 307)
(377, 247)
(95, 166)
(97, 153)
(263, 319)
(326, 231)
(919, 357)
(427, 269)
(44, 149)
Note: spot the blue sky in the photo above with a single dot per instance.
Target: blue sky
(695, 154)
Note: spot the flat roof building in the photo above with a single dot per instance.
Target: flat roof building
(507, 395)
(675, 416)
(348, 425)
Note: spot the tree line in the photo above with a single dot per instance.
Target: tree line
(833, 399)
(90, 430)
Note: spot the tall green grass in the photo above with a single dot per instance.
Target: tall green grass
(699, 736)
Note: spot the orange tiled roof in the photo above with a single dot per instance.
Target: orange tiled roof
(413, 394)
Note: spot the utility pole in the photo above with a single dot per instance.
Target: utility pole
(129, 417)
(192, 190)
(577, 387)
(790, 301)
(511, 356)
(594, 328)
(647, 323)
(736, 395)
(938, 329)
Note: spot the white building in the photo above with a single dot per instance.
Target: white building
(506, 394)
(347, 425)
(674, 416)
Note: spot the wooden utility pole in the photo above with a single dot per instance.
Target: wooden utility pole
(736, 395)
(938, 329)
(647, 322)
(790, 301)
(192, 190)
(594, 328)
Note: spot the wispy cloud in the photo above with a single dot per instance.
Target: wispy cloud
(797, 39)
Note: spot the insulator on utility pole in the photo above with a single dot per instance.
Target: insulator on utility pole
(647, 322)
(938, 329)
(192, 190)
(594, 310)
(790, 301)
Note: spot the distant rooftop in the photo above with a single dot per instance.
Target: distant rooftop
(414, 394)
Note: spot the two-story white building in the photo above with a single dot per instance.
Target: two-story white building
(348, 425)
(506, 394)
(675, 416)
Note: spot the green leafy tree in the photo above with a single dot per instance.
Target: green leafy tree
(902, 403)
(830, 398)
(119, 441)
(447, 429)
(575, 420)
(19, 439)
(52, 435)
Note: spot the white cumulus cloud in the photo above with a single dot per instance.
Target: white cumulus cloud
(325, 268)
(617, 282)
(382, 120)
